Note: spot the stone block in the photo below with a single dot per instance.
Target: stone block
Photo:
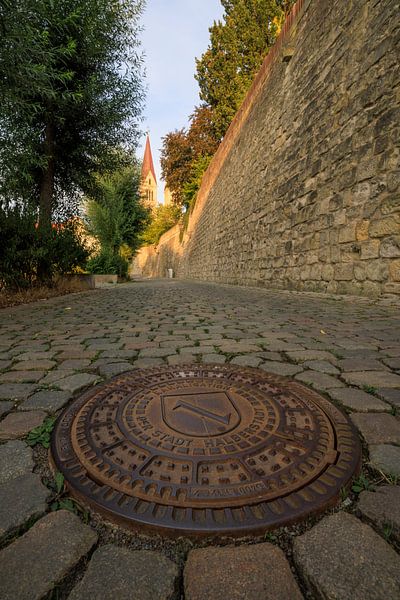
(280, 368)
(255, 572)
(377, 270)
(31, 566)
(341, 558)
(116, 573)
(394, 270)
(21, 376)
(362, 230)
(347, 234)
(358, 400)
(21, 498)
(5, 407)
(385, 458)
(344, 272)
(384, 227)
(17, 425)
(48, 400)
(370, 249)
(374, 379)
(390, 247)
(15, 460)
(75, 383)
(319, 381)
(382, 508)
(378, 428)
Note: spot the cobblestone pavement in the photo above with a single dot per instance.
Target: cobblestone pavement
(347, 348)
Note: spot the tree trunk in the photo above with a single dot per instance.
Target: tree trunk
(46, 204)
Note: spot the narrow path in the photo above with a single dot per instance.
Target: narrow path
(347, 348)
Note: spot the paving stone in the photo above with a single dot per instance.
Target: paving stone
(16, 425)
(390, 395)
(280, 368)
(155, 352)
(256, 572)
(304, 355)
(360, 364)
(218, 359)
(358, 400)
(15, 460)
(379, 379)
(48, 400)
(115, 369)
(319, 381)
(378, 428)
(5, 364)
(146, 363)
(55, 376)
(323, 366)
(274, 356)
(382, 508)
(34, 365)
(21, 376)
(341, 558)
(5, 407)
(44, 555)
(236, 347)
(75, 383)
(21, 499)
(393, 363)
(118, 354)
(116, 573)
(74, 364)
(385, 458)
(181, 359)
(246, 360)
(34, 356)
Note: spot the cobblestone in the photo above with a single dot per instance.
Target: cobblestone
(382, 508)
(44, 555)
(312, 338)
(344, 559)
(15, 460)
(120, 574)
(21, 499)
(239, 573)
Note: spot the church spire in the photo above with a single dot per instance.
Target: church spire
(148, 188)
(148, 165)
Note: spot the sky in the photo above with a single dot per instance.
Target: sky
(175, 33)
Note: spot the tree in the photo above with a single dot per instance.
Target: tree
(163, 219)
(70, 94)
(116, 215)
(176, 159)
(236, 51)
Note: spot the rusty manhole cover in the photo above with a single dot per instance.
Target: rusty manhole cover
(205, 450)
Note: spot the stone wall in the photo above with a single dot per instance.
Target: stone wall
(304, 191)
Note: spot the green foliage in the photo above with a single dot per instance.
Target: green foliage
(42, 434)
(61, 502)
(108, 263)
(193, 184)
(237, 48)
(362, 483)
(115, 214)
(70, 84)
(164, 218)
(370, 389)
(24, 248)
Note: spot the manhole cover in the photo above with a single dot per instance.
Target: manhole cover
(205, 450)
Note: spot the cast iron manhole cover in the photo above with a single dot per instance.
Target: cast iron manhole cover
(205, 450)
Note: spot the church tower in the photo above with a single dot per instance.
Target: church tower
(148, 189)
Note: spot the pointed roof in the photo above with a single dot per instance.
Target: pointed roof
(148, 165)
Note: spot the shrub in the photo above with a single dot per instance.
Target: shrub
(25, 249)
(108, 263)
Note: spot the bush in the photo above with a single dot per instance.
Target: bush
(107, 263)
(25, 250)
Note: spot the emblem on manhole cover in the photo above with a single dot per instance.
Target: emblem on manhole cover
(205, 450)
